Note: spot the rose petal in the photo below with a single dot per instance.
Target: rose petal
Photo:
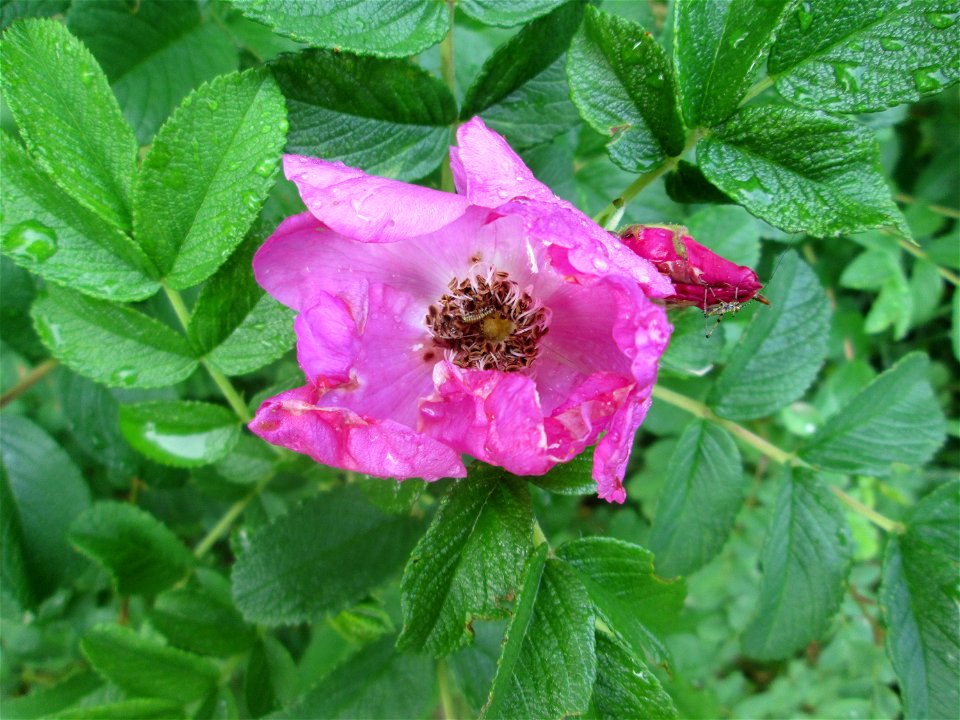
(369, 208)
(493, 416)
(613, 451)
(340, 437)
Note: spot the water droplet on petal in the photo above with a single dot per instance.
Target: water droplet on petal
(30, 240)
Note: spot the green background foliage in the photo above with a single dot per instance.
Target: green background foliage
(789, 544)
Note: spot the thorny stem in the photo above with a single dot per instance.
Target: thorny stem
(28, 381)
(232, 513)
(638, 185)
(229, 391)
(694, 407)
(448, 70)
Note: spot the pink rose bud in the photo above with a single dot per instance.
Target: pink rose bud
(700, 277)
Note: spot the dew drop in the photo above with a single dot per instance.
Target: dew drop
(212, 105)
(941, 21)
(30, 240)
(283, 125)
(124, 376)
(736, 41)
(265, 168)
(251, 201)
(891, 43)
(86, 77)
(655, 81)
(804, 17)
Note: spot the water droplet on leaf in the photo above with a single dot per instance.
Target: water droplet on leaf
(941, 21)
(891, 43)
(212, 105)
(30, 240)
(925, 81)
(265, 168)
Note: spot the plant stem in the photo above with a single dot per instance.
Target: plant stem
(756, 90)
(694, 407)
(34, 376)
(224, 523)
(697, 408)
(638, 185)
(446, 698)
(233, 398)
(941, 209)
(920, 254)
(179, 306)
(448, 71)
(881, 521)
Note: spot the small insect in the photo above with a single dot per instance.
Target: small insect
(721, 307)
(475, 317)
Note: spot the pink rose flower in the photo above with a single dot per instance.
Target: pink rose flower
(700, 277)
(499, 322)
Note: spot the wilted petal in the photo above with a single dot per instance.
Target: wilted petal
(493, 416)
(337, 436)
(700, 277)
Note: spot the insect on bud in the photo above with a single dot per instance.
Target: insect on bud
(700, 277)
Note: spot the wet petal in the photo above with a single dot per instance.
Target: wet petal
(340, 437)
(366, 207)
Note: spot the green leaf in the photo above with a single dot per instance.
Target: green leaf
(625, 687)
(805, 560)
(52, 235)
(548, 663)
(345, 548)
(14, 575)
(864, 57)
(201, 620)
(781, 351)
(516, 12)
(623, 85)
(207, 174)
(376, 683)
(42, 494)
(521, 90)
(729, 231)
(11, 10)
(43, 702)
(687, 184)
(143, 667)
(801, 171)
(919, 602)
(467, 564)
(111, 344)
(153, 53)
(718, 48)
(399, 114)
(140, 552)
(699, 502)
(270, 679)
(69, 117)
(629, 597)
(368, 27)
(140, 708)
(181, 433)
(570, 478)
(895, 419)
(234, 323)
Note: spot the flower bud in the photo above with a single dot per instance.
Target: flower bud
(700, 277)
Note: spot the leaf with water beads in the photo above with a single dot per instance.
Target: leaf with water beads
(864, 57)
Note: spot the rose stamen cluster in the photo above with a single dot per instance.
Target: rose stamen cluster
(488, 323)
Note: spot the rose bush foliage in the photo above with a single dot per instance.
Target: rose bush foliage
(496, 318)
